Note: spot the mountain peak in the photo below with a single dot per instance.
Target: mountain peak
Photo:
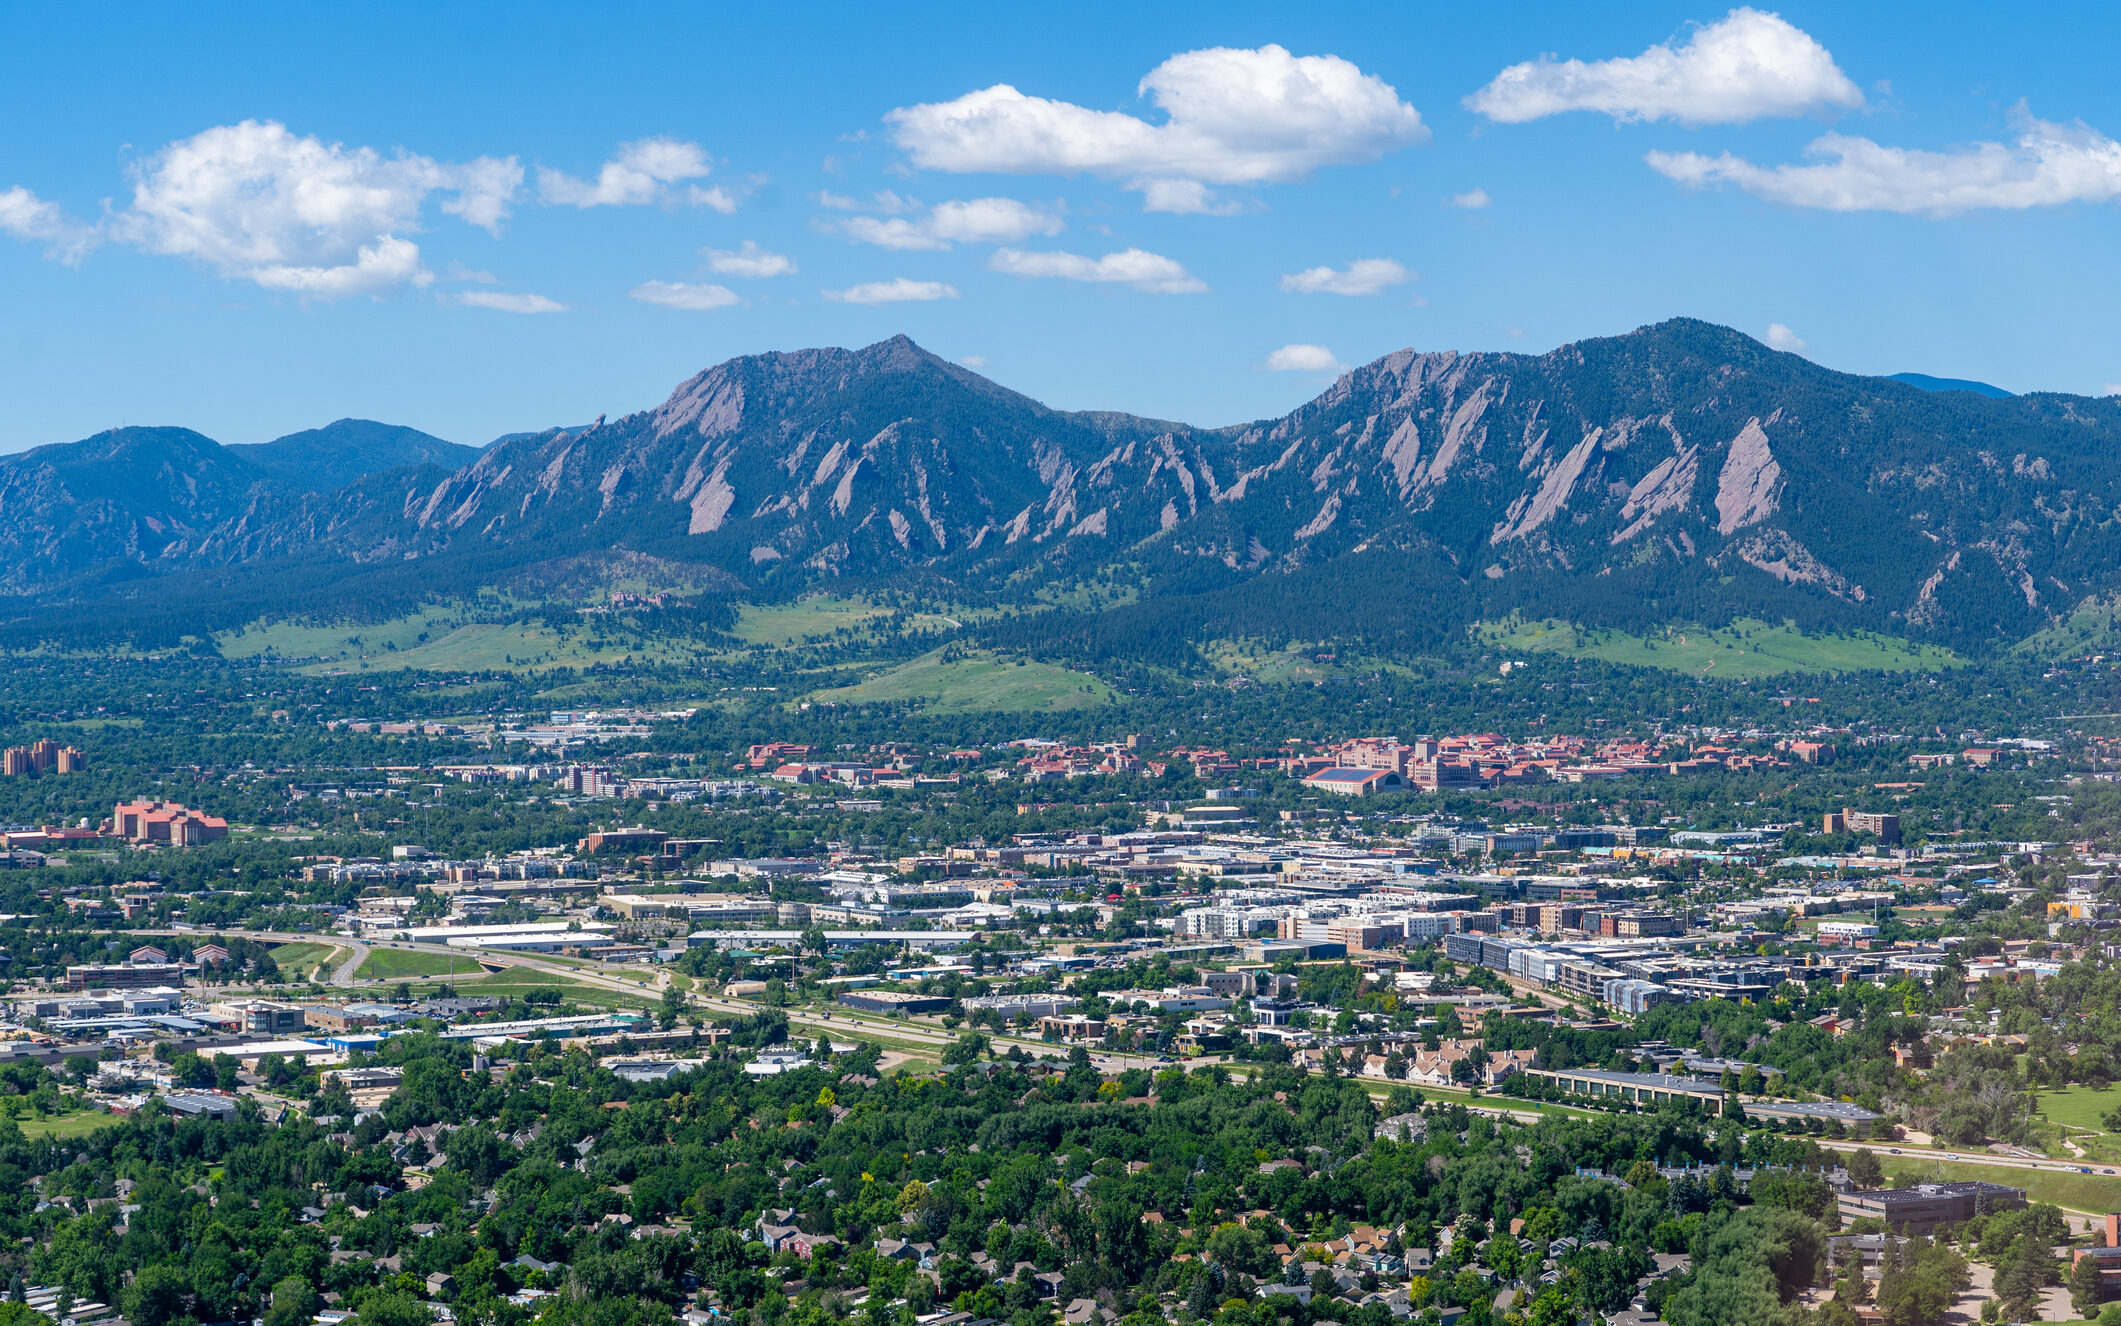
(348, 450)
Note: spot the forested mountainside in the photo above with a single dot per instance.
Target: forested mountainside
(348, 450)
(1681, 471)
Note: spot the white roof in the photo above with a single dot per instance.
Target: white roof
(434, 933)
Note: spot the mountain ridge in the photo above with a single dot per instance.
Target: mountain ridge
(1682, 467)
(347, 450)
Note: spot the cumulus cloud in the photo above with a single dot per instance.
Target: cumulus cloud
(749, 260)
(256, 202)
(25, 216)
(1747, 66)
(2049, 165)
(639, 173)
(1364, 276)
(698, 298)
(507, 303)
(1302, 358)
(1471, 199)
(1151, 273)
(973, 221)
(1780, 337)
(899, 291)
(1231, 117)
(974, 362)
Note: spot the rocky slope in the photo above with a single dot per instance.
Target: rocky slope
(1682, 455)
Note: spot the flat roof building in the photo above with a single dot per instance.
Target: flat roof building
(1647, 1089)
(894, 1001)
(1925, 1207)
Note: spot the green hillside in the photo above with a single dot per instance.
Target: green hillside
(976, 682)
(1744, 651)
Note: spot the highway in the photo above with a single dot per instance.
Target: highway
(932, 1036)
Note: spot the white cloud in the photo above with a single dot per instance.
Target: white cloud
(716, 199)
(1746, 66)
(255, 202)
(1149, 272)
(680, 294)
(897, 291)
(507, 303)
(1471, 199)
(974, 221)
(2111, 389)
(749, 260)
(885, 201)
(1304, 359)
(2049, 165)
(1780, 337)
(1185, 198)
(638, 174)
(974, 362)
(1231, 117)
(25, 216)
(388, 263)
(1364, 276)
(486, 187)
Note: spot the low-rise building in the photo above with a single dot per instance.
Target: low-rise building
(1926, 1206)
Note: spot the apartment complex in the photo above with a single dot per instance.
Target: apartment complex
(41, 756)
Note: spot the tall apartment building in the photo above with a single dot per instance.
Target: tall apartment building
(1885, 826)
(41, 756)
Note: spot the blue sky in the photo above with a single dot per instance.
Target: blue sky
(476, 219)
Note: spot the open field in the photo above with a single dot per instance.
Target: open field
(2094, 627)
(301, 959)
(1744, 651)
(446, 638)
(1300, 665)
(396, 964)
(818, 616)
(2080, 1107)
(976, 682)
(2079, 1192)
(68, 1125)
(518, 981)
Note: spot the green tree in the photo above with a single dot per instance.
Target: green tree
(156, 1295)
(2084, 1288)
(294, 1302)
(1865, 1169)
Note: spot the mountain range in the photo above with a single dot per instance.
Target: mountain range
(1681, 471)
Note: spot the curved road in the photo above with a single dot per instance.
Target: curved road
(934, 1036)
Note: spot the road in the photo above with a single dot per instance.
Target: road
(649, 982)
(1970, 1157)
(936, 1037)
(344, 975)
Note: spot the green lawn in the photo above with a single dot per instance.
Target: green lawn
(977, 683)
(396, 964)
(300, 959)
(518, 981)
(68, 1125)
(2080, 1107)
(1744, 651)
(2079, 1192)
